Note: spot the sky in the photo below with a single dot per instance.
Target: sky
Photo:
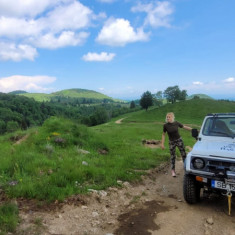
(120, 48)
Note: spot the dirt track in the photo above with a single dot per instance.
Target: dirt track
(154, 206)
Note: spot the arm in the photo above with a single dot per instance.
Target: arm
(187, 128)
(163, 140)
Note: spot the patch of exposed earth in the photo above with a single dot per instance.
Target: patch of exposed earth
(153, 206)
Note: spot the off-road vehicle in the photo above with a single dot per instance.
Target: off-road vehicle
(210, 166)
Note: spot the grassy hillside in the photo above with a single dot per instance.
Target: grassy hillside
(70, 93)
(201, 96)
(189, 111)
(40, 97)
(81, 93)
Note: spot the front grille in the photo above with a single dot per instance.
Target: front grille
(219, 166)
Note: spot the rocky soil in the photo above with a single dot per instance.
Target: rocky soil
(153, 206)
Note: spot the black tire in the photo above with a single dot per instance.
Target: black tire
(191, 190)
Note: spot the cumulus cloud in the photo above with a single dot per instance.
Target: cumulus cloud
(119, 32)
(47, 24)
(26, 83)
(73, 16)
(229, 80)
(103, 56)
(66, 38)
(29, 8)
(158, 13)
(11, 51)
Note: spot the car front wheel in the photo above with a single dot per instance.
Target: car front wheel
(191, 190)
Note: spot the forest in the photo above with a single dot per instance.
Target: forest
(20, 112)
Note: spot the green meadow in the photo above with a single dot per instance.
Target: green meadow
(62, 158)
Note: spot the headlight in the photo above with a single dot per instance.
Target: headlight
(198, 163)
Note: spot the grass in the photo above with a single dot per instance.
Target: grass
(52, 167)
(8, 218)
(51, 163)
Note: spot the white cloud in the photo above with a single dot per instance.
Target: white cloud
(10, 51)
(103, 56)
(47, 24)
(73, 16)
(197, 83)
(119, 32)
(66, 38)
(70, 17)
(28, 8)
(158, 13)
(26, 83)
(14, 27)
(229, 80)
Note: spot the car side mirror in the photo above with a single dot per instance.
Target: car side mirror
(195, 133)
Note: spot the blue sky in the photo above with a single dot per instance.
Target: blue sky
(120, 48)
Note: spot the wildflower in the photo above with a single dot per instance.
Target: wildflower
(55, 133)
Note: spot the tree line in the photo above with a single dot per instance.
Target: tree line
(171, 94)
(20, 112)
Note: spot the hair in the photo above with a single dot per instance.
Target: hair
(172, 114)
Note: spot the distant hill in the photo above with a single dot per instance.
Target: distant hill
(37, 96)
(79, 94)
(17, 92)
(201, 96)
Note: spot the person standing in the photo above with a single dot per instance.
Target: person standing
(171, 127)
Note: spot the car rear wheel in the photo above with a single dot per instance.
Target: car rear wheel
(191, 190)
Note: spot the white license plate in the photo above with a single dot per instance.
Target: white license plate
(222, 185)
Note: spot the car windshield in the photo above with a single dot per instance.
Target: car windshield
(220, 126)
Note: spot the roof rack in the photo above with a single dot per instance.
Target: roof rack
(219, 114)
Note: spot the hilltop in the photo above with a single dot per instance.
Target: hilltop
(74, 93)
(201, 96)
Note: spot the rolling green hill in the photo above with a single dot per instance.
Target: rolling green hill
(71, 94)
(188, 111)
(201, 96)
(40, 97)
(80, 93)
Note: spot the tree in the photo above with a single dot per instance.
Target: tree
(132, 105)
(2, 127)
(100, 116)
(146, 100)
(174, 93)
(183, 95)
(158, 98)
(12, 126)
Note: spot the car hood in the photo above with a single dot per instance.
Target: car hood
(216, 148)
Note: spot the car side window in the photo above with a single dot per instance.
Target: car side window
(207, 127)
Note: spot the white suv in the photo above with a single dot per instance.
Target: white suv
(211, 163)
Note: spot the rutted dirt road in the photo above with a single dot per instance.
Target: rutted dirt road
(154, 206)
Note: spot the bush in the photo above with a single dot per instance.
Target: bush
(12, 126)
